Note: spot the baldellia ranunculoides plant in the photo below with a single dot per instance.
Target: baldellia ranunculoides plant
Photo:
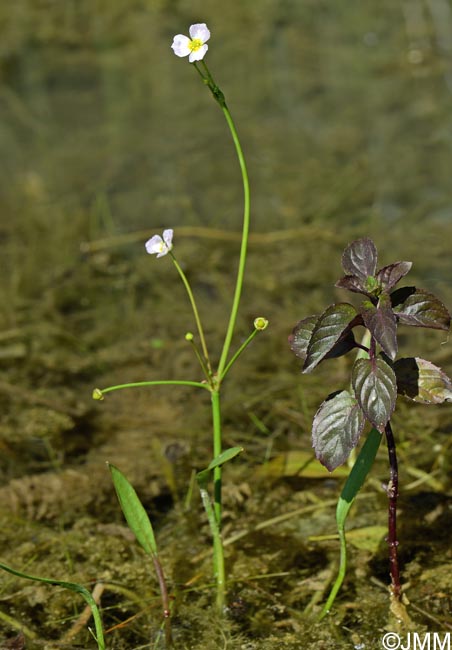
(377, 377)
(195, 47)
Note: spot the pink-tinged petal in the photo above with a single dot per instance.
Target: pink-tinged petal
(198, 54)
(168, 238)
(200, 30)
(154, 245)
(180, 45)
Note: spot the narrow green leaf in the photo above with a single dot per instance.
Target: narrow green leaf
(336, 429)
(374, 383)
(329, 329)
(382, 324)
(301, 335)
(360, 258)
(224, 457)
(134, 512)
(71, 586)
(422, 381)
(388, 276)
(420, 308)
(351, 488)
(228, 454)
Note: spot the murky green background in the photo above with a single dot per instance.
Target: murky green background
(344, 111)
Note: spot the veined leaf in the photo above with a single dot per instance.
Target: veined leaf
(388, 276)
(360, 258)
(336, 429)
(134, 512)
(352, 283)
(422, 381)
(374, 383)
(330, 327)
(419, 308)
(301, 335)
(382, 324)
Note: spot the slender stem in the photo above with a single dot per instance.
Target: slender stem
(217, 449)
(194, 308)
(98, 393)
(218, 552)
(393, 492)
(165, 599)
(198, 355)
(238, 353)
(243, 246)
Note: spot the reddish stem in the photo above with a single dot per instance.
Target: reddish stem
(392, 491)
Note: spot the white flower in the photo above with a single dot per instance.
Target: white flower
(194, 47)
(159, 246)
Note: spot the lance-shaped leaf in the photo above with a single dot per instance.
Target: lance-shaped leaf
(332, 325)
(419, 308)
(422, 381)
(381, 323)
(134, 511)
(301, 335)
(360, 258)
(374, 383)
(336, 429)
(389, 275)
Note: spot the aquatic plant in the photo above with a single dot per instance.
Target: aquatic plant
(195, 48)
(376, 378)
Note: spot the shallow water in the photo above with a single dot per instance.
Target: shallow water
(344, 113)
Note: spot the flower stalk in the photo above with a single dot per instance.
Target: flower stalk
(195, 47)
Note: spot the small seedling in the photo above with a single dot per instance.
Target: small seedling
(377, 377)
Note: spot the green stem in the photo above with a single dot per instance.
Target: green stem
(238, 353)
(98, 393)
(194, 308)
(243, 246)
(217, 449)
(219, 97)
(218, 553)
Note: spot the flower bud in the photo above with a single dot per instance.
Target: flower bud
(98, 394)
(260, 323)
(189, 336)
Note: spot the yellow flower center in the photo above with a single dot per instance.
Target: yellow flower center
(195, 44)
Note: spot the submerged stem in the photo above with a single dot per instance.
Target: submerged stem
(217, 449)
(393, 492)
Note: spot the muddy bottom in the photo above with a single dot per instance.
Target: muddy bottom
(60, 518)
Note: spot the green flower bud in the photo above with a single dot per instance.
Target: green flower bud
(260, 323)
(189, 336)
(98, 394)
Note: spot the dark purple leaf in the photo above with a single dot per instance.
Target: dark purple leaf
(301, 335)
(381, 323)
(374, 383)
(419, 308)
(360, 258)
(422, 381)
(352, 283)
(389, 275)
(345, 344)
(330, 327)
(336, 429)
